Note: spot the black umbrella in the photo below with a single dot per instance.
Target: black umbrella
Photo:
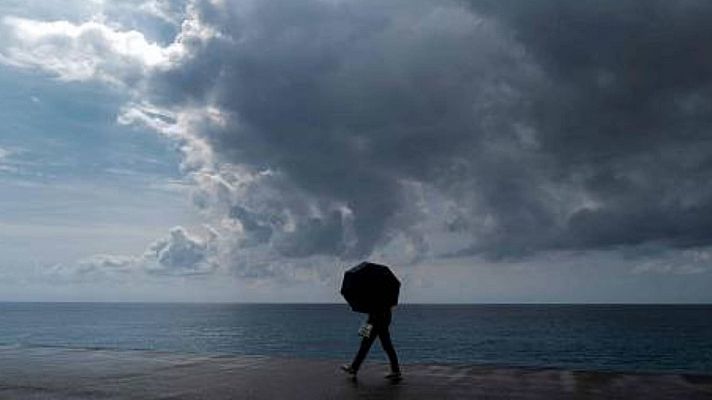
(370, 287)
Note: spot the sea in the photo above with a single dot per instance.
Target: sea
(626, 338)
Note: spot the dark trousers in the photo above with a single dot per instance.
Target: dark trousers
(386, 343)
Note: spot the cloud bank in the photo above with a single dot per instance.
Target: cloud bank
(339, 130)
(179, 254)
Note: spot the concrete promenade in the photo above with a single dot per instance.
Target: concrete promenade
(52, 373)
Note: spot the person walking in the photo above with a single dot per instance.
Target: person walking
(380, 321)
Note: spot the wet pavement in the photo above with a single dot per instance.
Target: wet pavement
(55, 373)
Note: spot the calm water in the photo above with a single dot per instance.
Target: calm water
(602, 337)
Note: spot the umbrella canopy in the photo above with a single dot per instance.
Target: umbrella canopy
(370, 287)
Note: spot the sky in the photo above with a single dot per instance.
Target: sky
(243, 150)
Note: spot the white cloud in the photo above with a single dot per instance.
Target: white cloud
(93, 50)
(6, 165)
(178, 254)
(179, 125)
(80, 52)
(104, 263)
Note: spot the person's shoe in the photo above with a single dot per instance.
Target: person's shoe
(349, 370)
(394, 376)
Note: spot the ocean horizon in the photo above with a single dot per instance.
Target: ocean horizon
(670, 338)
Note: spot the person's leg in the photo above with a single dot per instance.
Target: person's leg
(387, 345)
(363, 350)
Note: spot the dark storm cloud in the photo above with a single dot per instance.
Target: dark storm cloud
(548, 124)
(347, 100)
(628, 114)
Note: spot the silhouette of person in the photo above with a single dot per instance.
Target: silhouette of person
(380, 320)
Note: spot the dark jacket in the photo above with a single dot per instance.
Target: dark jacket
(380, 319)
